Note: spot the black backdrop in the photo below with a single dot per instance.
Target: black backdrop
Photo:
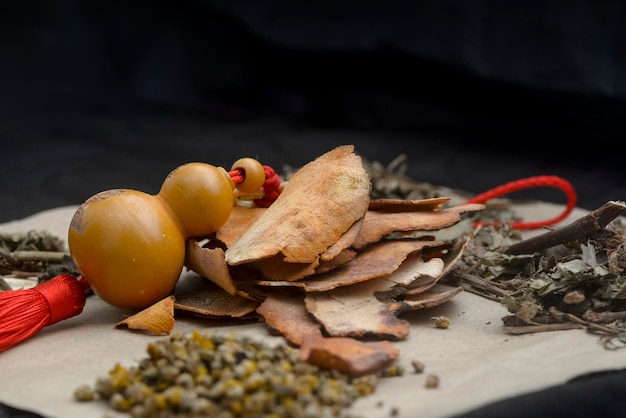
(103, 94)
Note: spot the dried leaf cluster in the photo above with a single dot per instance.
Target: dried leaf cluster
(326, 266)
(31, 258)
(572, 277)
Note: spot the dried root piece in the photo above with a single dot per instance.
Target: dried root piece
(157, 319)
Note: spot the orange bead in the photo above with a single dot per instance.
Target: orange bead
(200, 195)
(253, 172)
(128, 247)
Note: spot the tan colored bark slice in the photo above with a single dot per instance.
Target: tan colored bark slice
(344, 257)
(354, 311)
(414, 269)
(275, 268)
(455, 254)
(344, 243)
(368, 309)
(378, 224)
(317, 206)
(157, 319)
(347, 355)
(240, 220)
(401, 205)
(380, 259)
(430, 299)
(450, 259)
(288, 316)
(209, 263)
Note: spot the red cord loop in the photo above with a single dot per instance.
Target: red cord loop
(528, 183)
(271, 185)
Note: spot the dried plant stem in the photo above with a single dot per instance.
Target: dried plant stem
(492, 291)
(48, 256)
(583, 229)
(604, 317)
(530, 329)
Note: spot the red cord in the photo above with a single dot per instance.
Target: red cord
(271, 185)
(529, 183)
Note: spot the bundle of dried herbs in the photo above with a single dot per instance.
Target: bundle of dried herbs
(32, 254)
(571, 277)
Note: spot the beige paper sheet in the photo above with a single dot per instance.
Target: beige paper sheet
(476, 361)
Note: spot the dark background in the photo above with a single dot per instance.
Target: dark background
(105, 94)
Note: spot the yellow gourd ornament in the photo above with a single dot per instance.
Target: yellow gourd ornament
(130, 245)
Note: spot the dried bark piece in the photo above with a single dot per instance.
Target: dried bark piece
(430, 299)
(450, 259)
(401, 205)
(157, 319)
(288, 316)
(378, 224)
(415, 269)
(275, 268)
(347, 355)
(344, 242)
(338, 254)
(209, 263)
(317, 206)
(380, 259)
(214, 302)
(456, 252)
(344, 257)
(240, 220)
(370, 309)
(354, 311)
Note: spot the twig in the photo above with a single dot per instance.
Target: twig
(48, 256)
(604, 317)
(529, 329)
(583, 229)
(481, 284)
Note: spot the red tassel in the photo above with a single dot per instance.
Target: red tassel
(24, 312)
